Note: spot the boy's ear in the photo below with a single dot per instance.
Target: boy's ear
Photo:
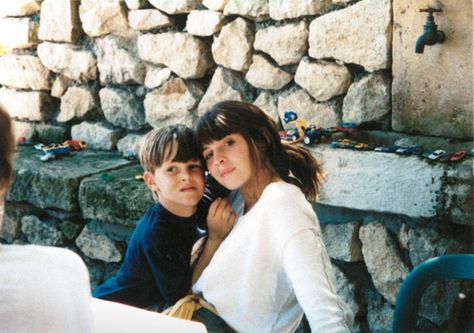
(149, 180)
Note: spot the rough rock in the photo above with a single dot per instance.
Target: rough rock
(123, 108)
(60, 86)
(148, 19)
(24, 72)
(233, 47)
(204, 22)
(217, 5)
(268, 103)
(175, 6)
(28, 105)
(368, 100)
(342, 241)
(284, 9)
(120, 201)
(321, 114)
(59, 21)
(338, 35)
(41, 232)
(225, 85)
(172, 103)
(20, 7)
(98, 246)
(103, 17)
(79, 102)
(194, 65)
(156, 76)
(96, 135)
(383, 262)
(323, 80)
(129, 145)
(18, 33)
(287, 44)
(136, 4)
(262, 74)
(117, 61)
(68, 60)
(256, 9)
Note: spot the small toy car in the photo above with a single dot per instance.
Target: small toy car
(436, 154)
(289, 116)
(312, 134)
(348, 128)
(75, 144)
(363, 146)
(386, 148)
(458, 156)
(343, 143)
(409, 150)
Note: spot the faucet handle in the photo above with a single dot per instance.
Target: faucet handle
(431, 10)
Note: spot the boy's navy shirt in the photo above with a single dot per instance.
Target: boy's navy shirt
(156, 269)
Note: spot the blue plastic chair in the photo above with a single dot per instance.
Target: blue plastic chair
(448, 267)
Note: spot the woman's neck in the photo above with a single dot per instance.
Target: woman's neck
(254, 187)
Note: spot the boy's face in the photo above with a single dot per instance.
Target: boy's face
(179, 185)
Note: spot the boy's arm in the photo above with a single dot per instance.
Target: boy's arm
(220, 221)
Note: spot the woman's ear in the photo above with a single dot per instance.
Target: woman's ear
(150, 182)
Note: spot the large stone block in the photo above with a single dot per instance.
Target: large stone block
(19, 7)
(118, 62)
(55, 184)
(59, 21)
(392, 183)
(172, 103)
(29, 105)
(123, 200)
(359, 34)
(433, 91)
(69, 60)
(18, 33)
(194, 65)
(104, 17)
(24, 72)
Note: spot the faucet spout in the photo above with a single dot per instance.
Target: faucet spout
(431, 35)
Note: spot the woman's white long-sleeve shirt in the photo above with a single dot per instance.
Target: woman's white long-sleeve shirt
(272, 267)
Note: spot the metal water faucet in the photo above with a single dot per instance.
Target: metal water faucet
(431, 35)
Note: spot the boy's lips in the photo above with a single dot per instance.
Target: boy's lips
(188, 189)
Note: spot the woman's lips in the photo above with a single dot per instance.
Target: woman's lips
(226, 172)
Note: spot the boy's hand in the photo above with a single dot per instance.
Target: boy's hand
(220, 219)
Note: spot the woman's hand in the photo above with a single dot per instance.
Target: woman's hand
(220, 219)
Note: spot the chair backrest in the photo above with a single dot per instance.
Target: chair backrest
(448, 267)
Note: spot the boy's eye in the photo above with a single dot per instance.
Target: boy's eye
(195, 168)
(172, 169)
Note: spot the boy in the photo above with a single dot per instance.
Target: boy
(156, 270)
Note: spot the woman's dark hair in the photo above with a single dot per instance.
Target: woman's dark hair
(290, 162)
(7, 148)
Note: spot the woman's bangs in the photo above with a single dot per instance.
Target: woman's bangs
(212, 127)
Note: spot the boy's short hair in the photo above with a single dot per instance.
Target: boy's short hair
(175, 142)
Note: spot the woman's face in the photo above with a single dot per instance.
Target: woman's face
(229, 162)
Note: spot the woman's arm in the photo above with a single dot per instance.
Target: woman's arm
(308, 267)
(220, 221)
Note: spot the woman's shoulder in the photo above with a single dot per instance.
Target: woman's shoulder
(283, 192)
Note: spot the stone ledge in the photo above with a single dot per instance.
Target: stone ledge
(55, 184)
(122, 200)
(391, 183)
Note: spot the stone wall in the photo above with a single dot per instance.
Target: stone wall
(108, 71)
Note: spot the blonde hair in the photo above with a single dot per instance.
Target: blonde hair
(7, 148)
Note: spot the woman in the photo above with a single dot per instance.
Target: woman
(42, 289)
(273, 265)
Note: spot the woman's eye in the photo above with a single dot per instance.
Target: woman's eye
(207, 156)
(230, 142)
